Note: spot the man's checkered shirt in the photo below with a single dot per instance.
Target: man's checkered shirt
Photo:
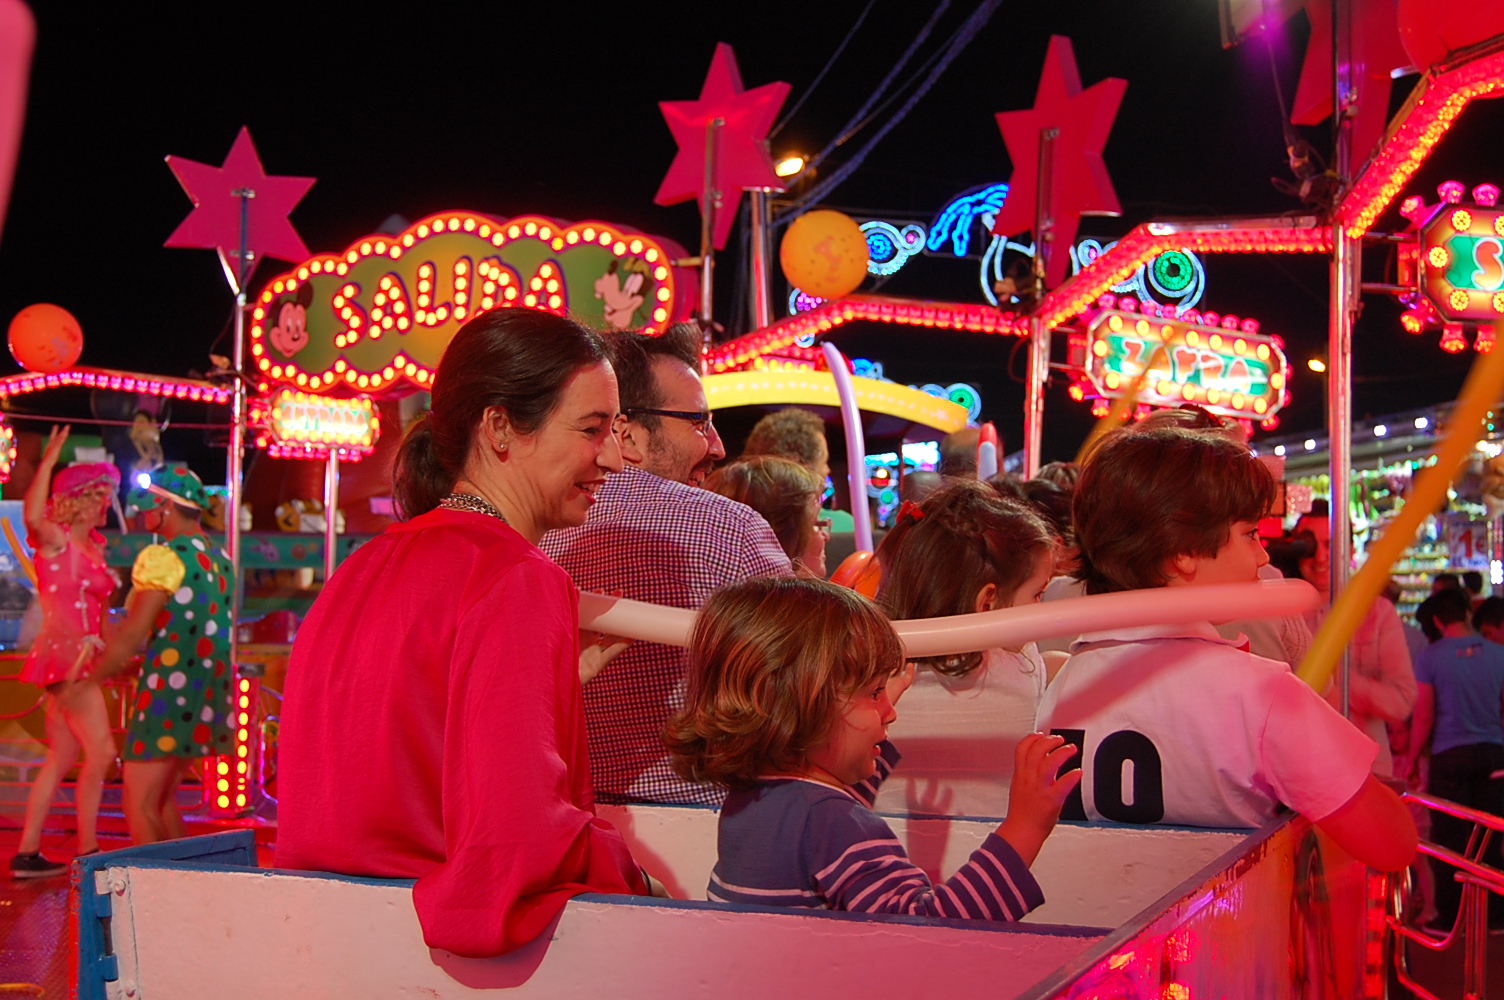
(655, 540)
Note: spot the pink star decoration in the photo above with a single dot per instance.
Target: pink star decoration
(215, 219)
(1080, 185)
(742, 159)
(1376, 51)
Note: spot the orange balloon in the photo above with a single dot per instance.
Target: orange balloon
(45, 338)
(860, 572)
(824, 254)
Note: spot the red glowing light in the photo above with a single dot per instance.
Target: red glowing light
(1452, 340)
(1426, 117)
(1483, 342)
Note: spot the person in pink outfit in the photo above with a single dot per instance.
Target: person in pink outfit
(74, 588)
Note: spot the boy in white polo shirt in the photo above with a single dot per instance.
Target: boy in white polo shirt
(1177, 724)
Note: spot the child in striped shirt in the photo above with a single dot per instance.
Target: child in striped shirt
(790, 693)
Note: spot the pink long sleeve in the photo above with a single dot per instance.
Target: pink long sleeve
(520, 832)
(433, 730)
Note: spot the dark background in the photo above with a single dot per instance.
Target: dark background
(552, 108)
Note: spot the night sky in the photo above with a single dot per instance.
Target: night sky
(552, 109)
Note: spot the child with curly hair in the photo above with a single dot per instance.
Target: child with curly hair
(788, 702)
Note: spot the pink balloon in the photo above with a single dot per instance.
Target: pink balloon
(1429, 29)
(1010, 626)
(18, 32)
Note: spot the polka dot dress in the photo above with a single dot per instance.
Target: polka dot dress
(183, 699)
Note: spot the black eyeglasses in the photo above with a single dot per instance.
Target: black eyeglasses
(700, 418)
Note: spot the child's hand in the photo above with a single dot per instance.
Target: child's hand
(1035, 798)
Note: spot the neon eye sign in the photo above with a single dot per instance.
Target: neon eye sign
(1220, 363)
(1462, 262)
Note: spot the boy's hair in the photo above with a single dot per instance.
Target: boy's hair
(772, 661)
(784, 492)
(1472, 581)
(790, 433)
(937, 557)
(1148, 496)
(1489, 612)
(1446, 581)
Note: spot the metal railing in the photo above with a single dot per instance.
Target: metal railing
(1471, 926)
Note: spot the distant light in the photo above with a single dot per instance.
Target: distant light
(1279, 450)
(143, 480)
(1379, 430)
(789, 166)
(1316, 365)
(1421, 423)
(1495, 572)
(1310, 444)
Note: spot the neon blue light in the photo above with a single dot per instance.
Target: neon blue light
(867, 368)
(800, 301)
(888, 247)
(955, 220)
(965, 395)
(1174, 278)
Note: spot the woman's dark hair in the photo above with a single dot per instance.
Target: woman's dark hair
(1146, 497)
(516, 359)
(938, 556)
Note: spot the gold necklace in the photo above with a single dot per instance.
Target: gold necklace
(473, 504)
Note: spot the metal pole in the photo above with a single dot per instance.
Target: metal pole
(709, 205)
(762, 304)
(1039, 334)
(1346, 259)
(331, 511)
(234, 464)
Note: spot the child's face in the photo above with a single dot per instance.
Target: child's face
(1493, 633)
(1237, 561)
(849, 753)
(1032, 589)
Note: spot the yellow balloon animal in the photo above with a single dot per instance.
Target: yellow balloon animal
(824, 253)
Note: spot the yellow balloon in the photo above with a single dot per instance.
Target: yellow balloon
(824, 254)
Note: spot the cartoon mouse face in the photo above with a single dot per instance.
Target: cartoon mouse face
(289, 330)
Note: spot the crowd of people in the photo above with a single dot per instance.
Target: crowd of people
(445, 719)
(554, 460)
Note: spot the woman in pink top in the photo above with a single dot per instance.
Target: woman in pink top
(74, 588)
(433, 725)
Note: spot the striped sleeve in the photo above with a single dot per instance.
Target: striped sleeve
(886, 762)
(869, 872)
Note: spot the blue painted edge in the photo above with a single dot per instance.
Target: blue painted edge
(90, 909)
(1058, 982)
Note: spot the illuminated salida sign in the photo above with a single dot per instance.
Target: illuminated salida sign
(383, 311)
(1229, 367)
(1462, 262)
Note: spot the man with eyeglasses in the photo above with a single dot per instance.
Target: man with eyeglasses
(654, 535)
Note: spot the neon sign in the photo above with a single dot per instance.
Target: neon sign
(1462, 260)
(305, 425)
(386, 308)
(889, 247)
(1220, 363)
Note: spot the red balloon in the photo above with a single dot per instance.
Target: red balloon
(1429, 29)
(45, 338)
(859, 572)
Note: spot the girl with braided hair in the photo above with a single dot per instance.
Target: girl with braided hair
(965, 549)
